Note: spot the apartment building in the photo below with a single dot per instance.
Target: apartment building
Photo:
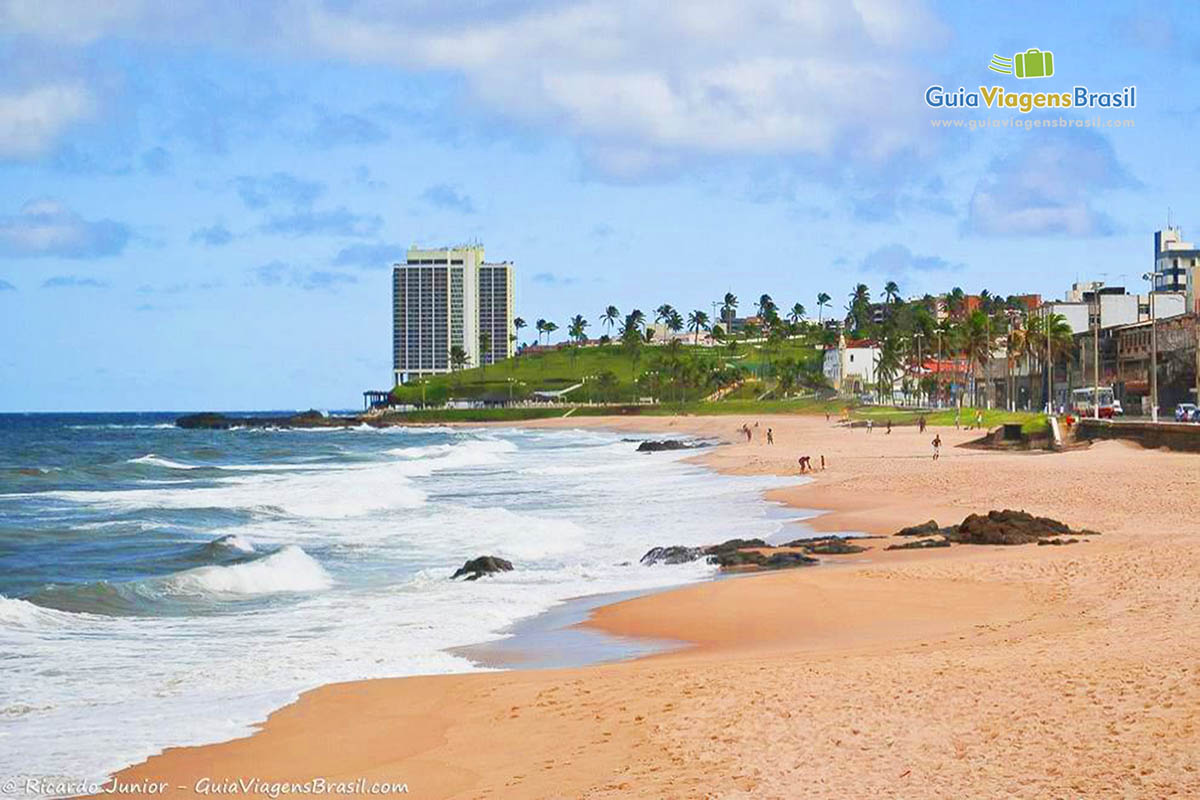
(442, 299)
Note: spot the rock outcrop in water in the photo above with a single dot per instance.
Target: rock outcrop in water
(305, 419)
(476, 568)
(672, 555)
(655, 446)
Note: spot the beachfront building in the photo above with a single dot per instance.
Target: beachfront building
(441, 300)
(1177, 265)
(496, 311)
(849, 366)
(1091, 303)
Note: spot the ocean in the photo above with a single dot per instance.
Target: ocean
(164, 587)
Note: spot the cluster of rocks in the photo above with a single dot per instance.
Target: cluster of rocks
(659, 445)
(305, 419)
(1005, 527)
(743, 554)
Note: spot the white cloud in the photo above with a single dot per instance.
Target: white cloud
(69, 21)
(45, 228)
(645, 81)
(31, 121)
(1046, 186)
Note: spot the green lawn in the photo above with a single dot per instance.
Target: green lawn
(558, 369)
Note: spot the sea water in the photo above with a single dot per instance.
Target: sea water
(163, 587)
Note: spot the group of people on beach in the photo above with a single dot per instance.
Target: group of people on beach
(806, 464)
(922, 424)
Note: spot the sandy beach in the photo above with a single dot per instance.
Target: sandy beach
(960, 672)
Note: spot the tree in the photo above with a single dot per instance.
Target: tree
(797, 313)
(550, 327)
(631, 343)
(663, 312)
(728, 309)
(976, 340)
(518, 323)
(638, 317)
(675, 321)
(608, 384)
(458, 358)
(697, 321)
(890, 363)
(577, 330)
(609, 318)
(765, 306)
(541, 328)
(956, 302)
(822, 301)
(891, 292)
(860, 306)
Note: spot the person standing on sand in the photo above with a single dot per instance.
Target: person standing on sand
(889, 425)
(957, 418)
(770, 436)
(979, 420)
(822, 463)
(937, 446)
(921, 423)
(870, 425)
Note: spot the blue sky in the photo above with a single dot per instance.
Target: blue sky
(200, 202)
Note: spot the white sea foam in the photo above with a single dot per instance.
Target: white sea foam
(289, 569)
(359, 586)
(151, 458)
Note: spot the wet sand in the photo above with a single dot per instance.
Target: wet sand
(967, 671)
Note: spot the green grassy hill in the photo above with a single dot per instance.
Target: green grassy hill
(613, 373)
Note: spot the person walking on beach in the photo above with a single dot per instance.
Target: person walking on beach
(770, 436)
(889, 425)
(937, 446)
(921, 423)
(806, 464)
(957, 418)
(822, 463)
(870, 425)
(979, 420)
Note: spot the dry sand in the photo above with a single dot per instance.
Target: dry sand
(963, 672)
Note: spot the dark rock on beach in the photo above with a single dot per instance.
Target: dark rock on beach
(1057, 541)
(1005, 527)
(476, 568)
(655, 446)
(919, 544)
(672, 555)
(830, 546)
(924, 529)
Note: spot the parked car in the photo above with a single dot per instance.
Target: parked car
(1187, 412)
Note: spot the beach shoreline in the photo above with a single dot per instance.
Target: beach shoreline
(866, 631)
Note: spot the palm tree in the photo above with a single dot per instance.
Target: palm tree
(728, 308)
(956, 302)
(822, 301)
(638, 317)
(1014, 348)
(577, 328)
(518, 323)
(541, 328)
(610, 317)
(977, 343)
(550, 328)
(663, 312)
(458, 358)
(891, 292)
(890, 363)
(765, 305)
(675, 321)
(697, 321)
(796, 314)
(859, 307)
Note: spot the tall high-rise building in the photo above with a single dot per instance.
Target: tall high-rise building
(496, 311)
(443, 299)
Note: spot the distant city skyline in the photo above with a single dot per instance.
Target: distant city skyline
(202, 202)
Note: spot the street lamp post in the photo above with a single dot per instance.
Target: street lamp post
(919, 336)
(1096, 356)
(1150, 276)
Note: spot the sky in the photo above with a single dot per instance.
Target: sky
(200, 201)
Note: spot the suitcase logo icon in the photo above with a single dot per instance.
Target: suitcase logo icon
(1033, 63)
